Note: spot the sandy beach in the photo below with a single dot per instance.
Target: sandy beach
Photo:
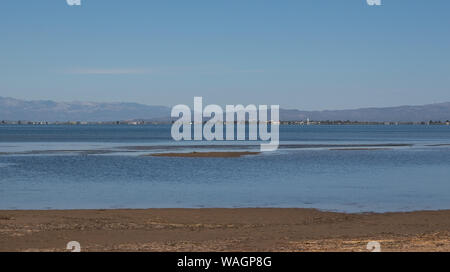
(222, 230)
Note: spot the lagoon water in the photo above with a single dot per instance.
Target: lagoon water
(339, 168)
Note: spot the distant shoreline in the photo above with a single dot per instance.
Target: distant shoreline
(293, 123)
(246, 229)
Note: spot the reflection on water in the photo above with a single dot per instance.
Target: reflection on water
(345, 168)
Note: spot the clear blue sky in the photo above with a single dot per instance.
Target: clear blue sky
(306, 54)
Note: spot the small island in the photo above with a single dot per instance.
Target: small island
(204, 154)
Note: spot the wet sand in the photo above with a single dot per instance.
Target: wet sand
(205, 154)
(164, 148)
(222, 230)
(358, 149)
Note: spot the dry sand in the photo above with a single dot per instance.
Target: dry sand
(222, 230)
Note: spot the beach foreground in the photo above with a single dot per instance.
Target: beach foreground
(222, 230)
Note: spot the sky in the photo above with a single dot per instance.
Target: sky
(304, 54)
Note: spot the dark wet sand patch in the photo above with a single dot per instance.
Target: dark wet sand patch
(358, 149)
(439, 145)
(281, 146)
(287, 146)
(205, 154)
(218, 148)
(178, 147)
(131, 149)
(62, 152)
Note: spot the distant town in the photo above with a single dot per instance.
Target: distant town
(293, 123)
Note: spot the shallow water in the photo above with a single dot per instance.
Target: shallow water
(341, 168)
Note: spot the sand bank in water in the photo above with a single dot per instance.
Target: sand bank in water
(205, 154)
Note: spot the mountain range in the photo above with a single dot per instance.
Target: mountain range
(45, 110)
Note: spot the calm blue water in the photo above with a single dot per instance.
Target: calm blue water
(70, 167)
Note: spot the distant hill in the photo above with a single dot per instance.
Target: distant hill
(435, 112)
(15, 109)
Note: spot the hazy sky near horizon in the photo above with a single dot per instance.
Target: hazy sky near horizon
(306, 54)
